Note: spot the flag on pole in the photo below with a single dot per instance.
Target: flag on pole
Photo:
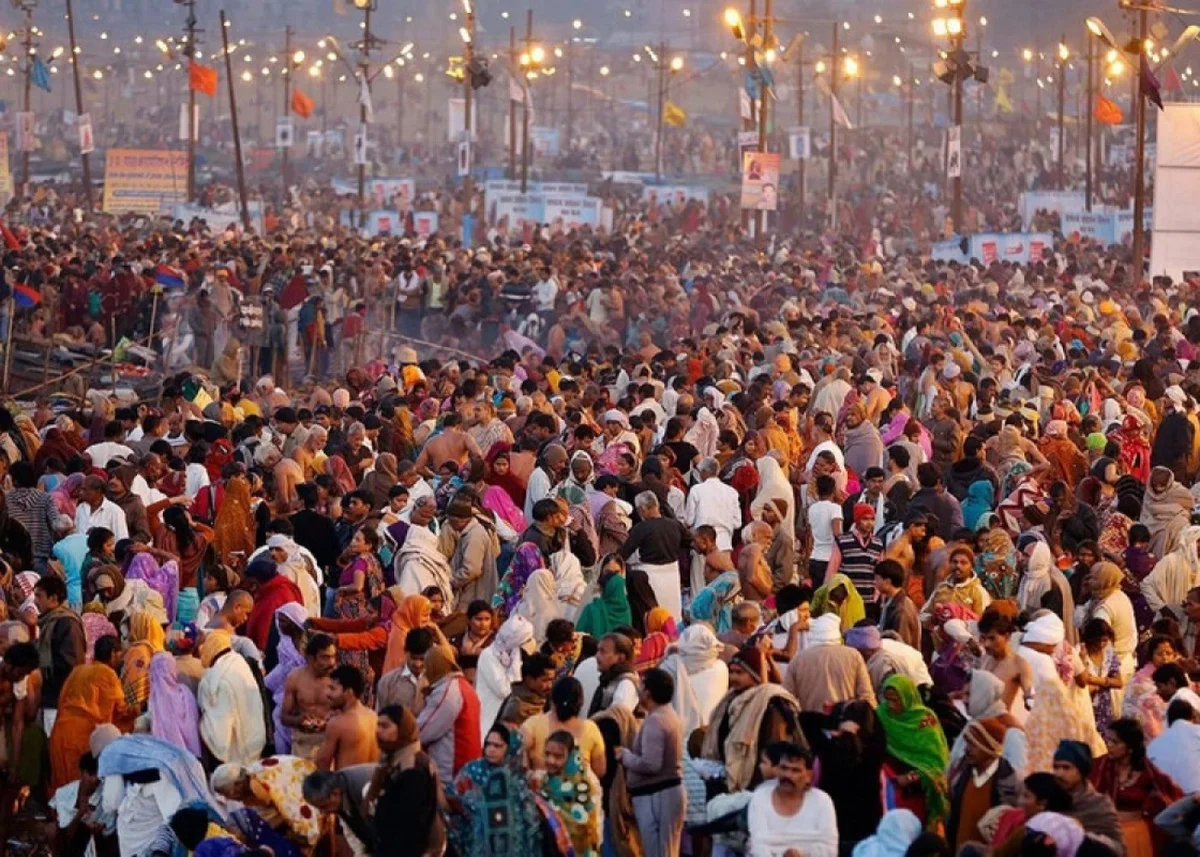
(364, 98)
(26, 296)
(202, 79)
(1171, 81)
(1149, 83)
(168, 277)
(40, 74)
(674, 115)
(839, 114)
(302, 105)
(1107, 112)
(10, 240)
(516, 92)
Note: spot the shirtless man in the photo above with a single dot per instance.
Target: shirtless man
(350, 735)
(1002, 662)
(716, 561)
(234, 612)
(453, 444)
(306, 696)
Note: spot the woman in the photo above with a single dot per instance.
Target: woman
(219, 581)
(985, 701)
(497, 496)
(713, 605)
(477, 636)
(742, 474)
(700, 652)
(610, 609)
(146, 639)
(174, 716)
(527, 559)
(1040, 794)
(539, 603)
(660, 634)
(411, 612)
(1137, 789)
(573, 789)
(499, 668)
(849, 760)
(996, 561)
(580, 474)
(55, 446)
(839, 595)
(13, 535)
(180, 536)
(360, 582)
(270, 794)
(1135, 448)
(774, 485)
(566, 703)
(979, 503)
(1142, 702)
(1101, 674)
(500, 476)
(1111, 604)
(163, 579)
(233, 528)
(66, 495)
(289, 623)
(897, 830)
(1166, 509)
(379, 481)
(917, 754)
(1054, 715)
(492, 810)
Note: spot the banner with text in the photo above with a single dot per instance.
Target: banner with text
(144, 181)
(760, 181)
(398, 193)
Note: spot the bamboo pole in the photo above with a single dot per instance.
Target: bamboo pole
(9, 345)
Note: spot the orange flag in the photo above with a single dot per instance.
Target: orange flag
(1107, 112)
(302, 105)
(202, 79)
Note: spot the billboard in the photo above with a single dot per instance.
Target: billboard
(760, 181)
(144, 181)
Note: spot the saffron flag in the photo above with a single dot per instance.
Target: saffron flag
(202, 79)
(674, 115)
(302, 105)
(1107, 112)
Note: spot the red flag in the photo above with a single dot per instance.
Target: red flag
(302, 105)
(1107, 112)
(10, 240)
(202, 79)
(1171, 81)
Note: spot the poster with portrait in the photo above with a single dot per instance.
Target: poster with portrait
(760, 181)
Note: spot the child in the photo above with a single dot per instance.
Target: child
(1139, 562)
(1101, 671)
(569, 785)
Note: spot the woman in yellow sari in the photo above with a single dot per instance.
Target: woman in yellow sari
(146, 639)
(839, 596)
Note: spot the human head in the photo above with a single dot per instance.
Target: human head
(793, 773)
(323, 790)
(1169, 679)
(614, 650)
(566, 698)
(657, 690)
(889, 577)
(1042, 792)
(346, 686)
(557, 751)
(496, 744)
(537, 674)
(48, 593)
(1126, 741)
(1072, 764)
(321, 652)
(395, 728)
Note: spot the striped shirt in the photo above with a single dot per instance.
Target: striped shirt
(858, 561)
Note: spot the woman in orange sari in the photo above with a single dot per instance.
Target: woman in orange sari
(233, 528)
(91, 695)
(146, 639)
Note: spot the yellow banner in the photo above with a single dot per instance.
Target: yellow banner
(144, 181)
(6, 183)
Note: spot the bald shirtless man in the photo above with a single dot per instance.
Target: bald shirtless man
(233, 613)
(306, 697)
(350, 735)
(453, 444)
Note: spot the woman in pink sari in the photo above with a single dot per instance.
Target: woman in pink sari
(64, 495)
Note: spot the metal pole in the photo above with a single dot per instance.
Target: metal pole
(512, 105)
(28, 103)
(910, 85)
(237, 134)
(468, 90)
(287, 98)
(662, 98)
(1139, 167)
(87, 167)
(525, 109)
(191, 117)
(800, 122)
(834, 74)
(1062, 137)
(570, 93)
(1087, 187)
(9, 345)
(956, 182)
(763, 111)
(364, 66)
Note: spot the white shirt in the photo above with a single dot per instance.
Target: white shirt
(538, 489)
(821, 516)
(1176, 752)
(102, 453)
(142, 490)
(812, 831)
(197, 478)
(545, 292)
(108, 514)
(909, 659)
(715, 504)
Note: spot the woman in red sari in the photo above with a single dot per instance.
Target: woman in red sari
(1138, 789)
(1135, 448)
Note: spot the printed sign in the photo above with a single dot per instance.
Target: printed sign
(144, 181)
(760, 181)
(799, 143)
(87, 142)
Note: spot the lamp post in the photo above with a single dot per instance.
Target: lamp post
(1091, 110)
(189, 51)
(1064, 54)
(84, 158)
(291, 61)
(663, 67)
(954, 69)
(754, 45)
(531, 60)
(27, 7)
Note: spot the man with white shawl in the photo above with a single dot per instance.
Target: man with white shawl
(1041, 575)
(774, 485)
(499, 668)
(539, 603)
(1177, 572)
(699, 652)
(704, 433)
(291, 562)
(419, 563)
(231, 707)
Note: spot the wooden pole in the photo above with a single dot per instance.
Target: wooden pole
(9, 345)
(153, 315)
(113, 354)
(289, 67)
(87, 167)
(237, 134)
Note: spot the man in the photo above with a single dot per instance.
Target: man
(932, 498)
(35, 510)
(403, 686)
(971, 468)
(982, 780)
(886, 657)
(349, 734)
(271, 590)
(547, 528)
(1094, 811)
(904, 551)
(945, 434)
(995, 631)
(654, 766)
(62, 644)
(419, 563)
(530, 695)
(313, 530)
(356, 507)
(659, 542)
(897, 612)
(753, 569)
(618, 680)
(475, 556)
(781, 554)
(960, 587)
(453, 444)
(113, 446)
(551, 467)
(858, 551)
(826, 524)
(712, 502)
(18, 660)
(787, 816)
(488, 430)
(1176, 752)
(827, 672)
(1171, 683)
(234, 612)
(343, 794)
(449, 719)
(708, 561)
(872, 494)
(96, 510)
(744, 620)
(307, 696)
(232, 723)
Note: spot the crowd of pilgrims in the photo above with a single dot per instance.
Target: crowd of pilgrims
(883, 568)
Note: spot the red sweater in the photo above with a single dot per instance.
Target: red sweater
(268, 598)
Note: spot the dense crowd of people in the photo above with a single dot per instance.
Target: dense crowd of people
(644, 543)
